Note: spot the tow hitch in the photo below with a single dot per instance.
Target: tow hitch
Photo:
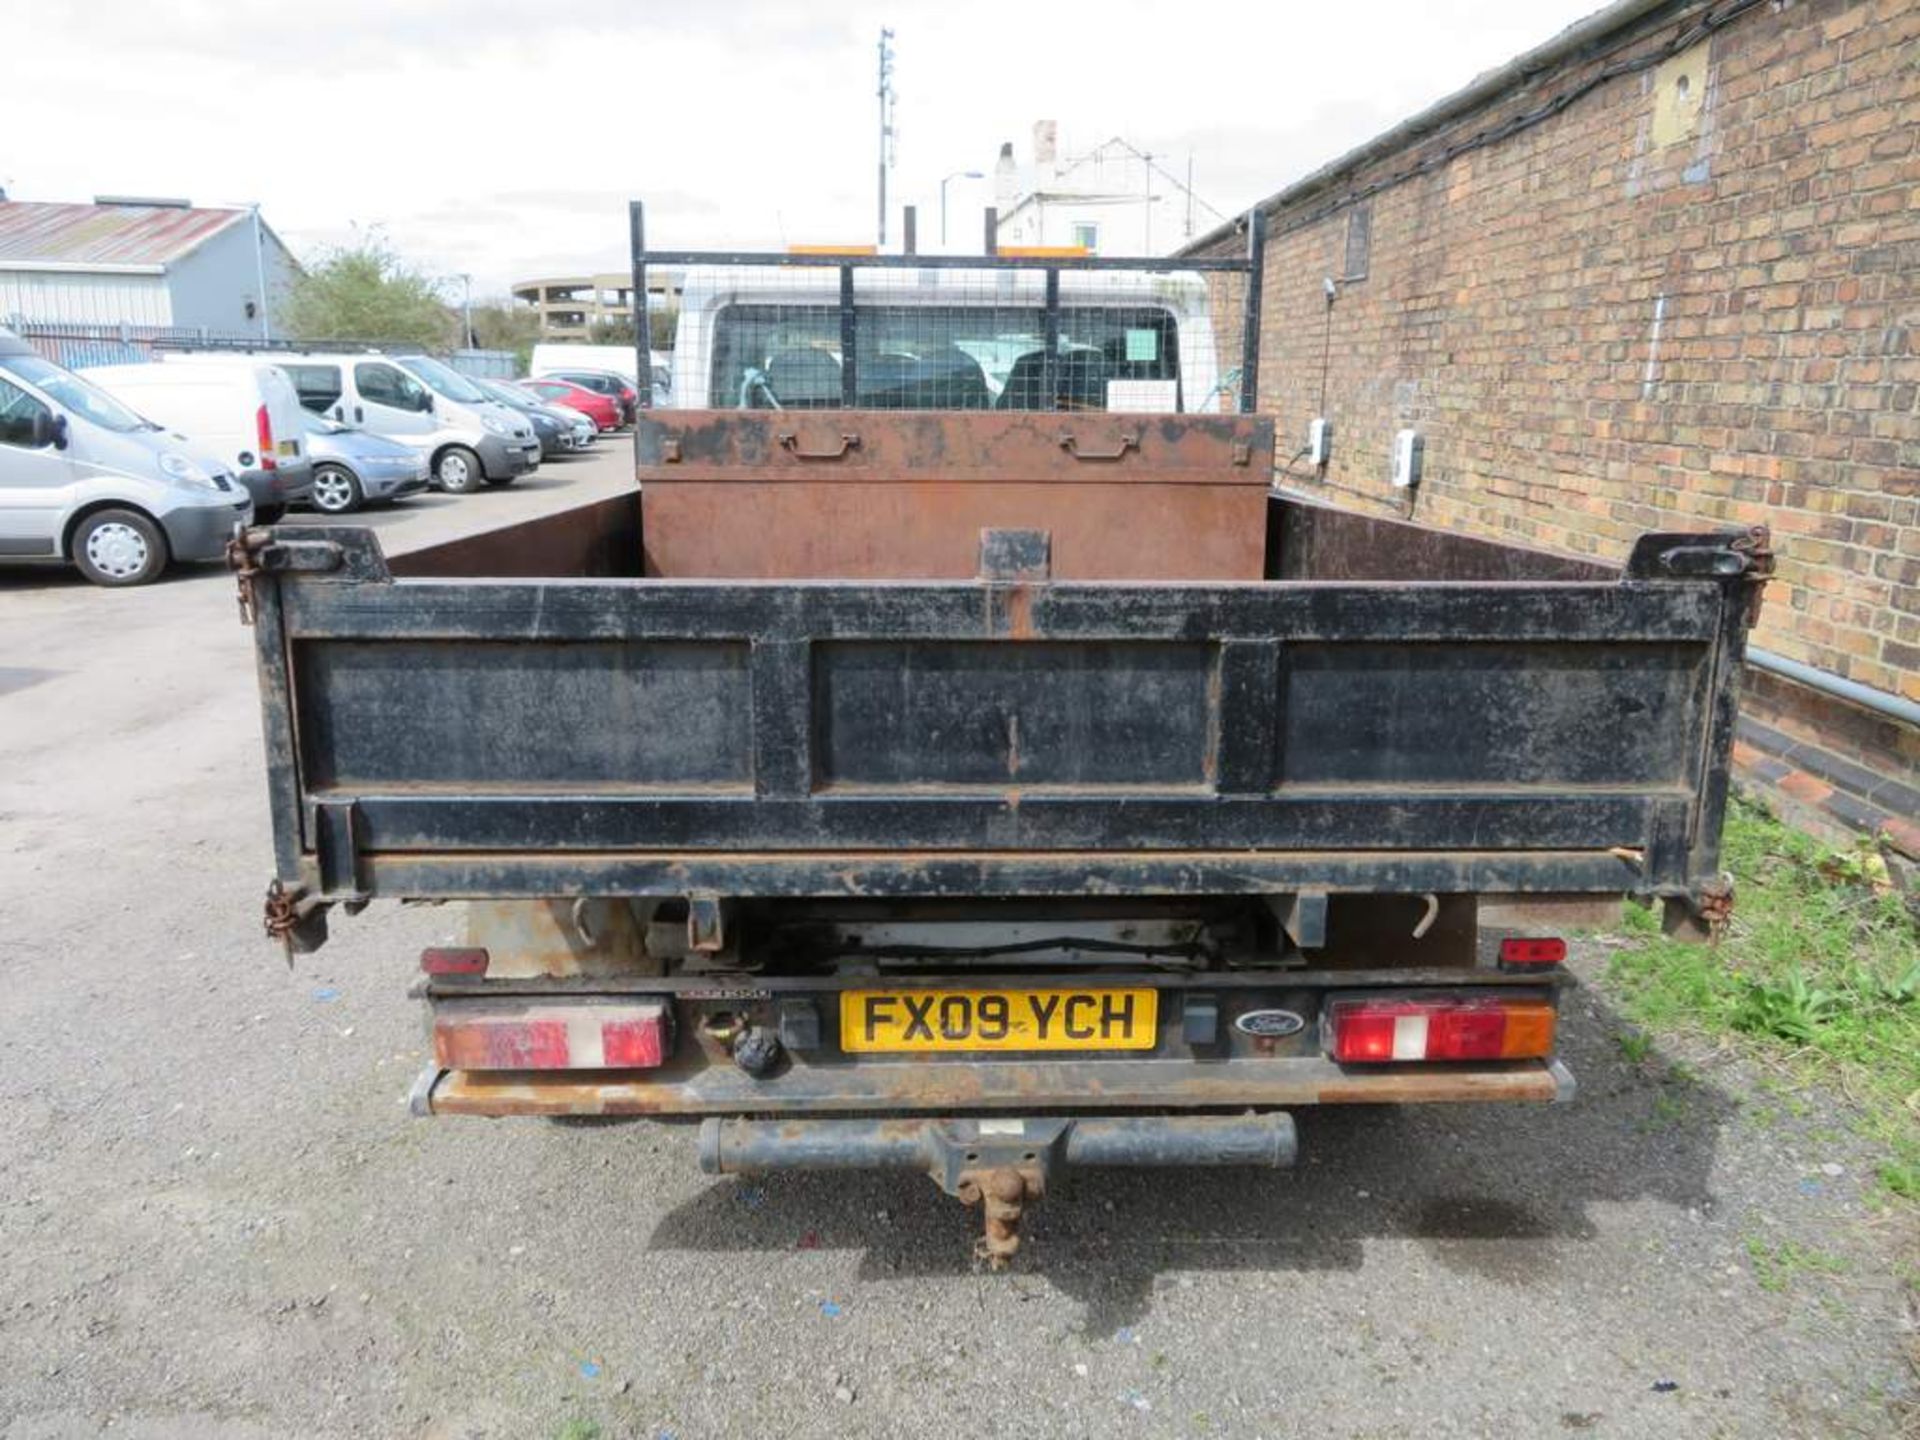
(1000, 1163)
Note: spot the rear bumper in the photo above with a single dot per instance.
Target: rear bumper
(946, 1149)
(914, 1088)
(289, 481)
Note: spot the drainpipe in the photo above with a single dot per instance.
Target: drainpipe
(1852, 691)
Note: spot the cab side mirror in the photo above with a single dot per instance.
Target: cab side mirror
(426, 402)
(49, 429)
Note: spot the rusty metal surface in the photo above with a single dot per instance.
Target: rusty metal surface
(883, 495)
(559, 939)
(910, 1087)
(600, 539)
(1003, 1195)
(1310, 540)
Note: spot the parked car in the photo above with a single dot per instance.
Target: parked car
(616, 359)
(611, 383)
(465, 442)
(585, 431)
(352, 467)
(85, 479)
(452, 388)
(239, 407)
(554, 428)
(603, 410)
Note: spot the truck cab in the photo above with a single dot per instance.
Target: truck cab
(946, 339)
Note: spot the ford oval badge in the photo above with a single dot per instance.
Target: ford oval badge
(1269, 1024)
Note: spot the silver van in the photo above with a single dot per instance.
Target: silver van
(85, 479)
(410, 399)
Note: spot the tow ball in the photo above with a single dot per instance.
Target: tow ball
(1002, 1164)
(1005, 1193)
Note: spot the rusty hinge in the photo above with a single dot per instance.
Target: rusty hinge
(295, 918)
(251, 553)
(240, 560)
(1757, 546)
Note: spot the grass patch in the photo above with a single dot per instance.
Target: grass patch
(1819, 973)
(1774, 1266)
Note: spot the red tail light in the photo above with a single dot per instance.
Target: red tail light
(263, 423)
(1549, 950)
(581, 1035)
(1445, 1028)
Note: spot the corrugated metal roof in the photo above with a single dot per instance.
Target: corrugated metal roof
(35, 232)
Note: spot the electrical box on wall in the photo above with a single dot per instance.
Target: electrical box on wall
(1319, 441)
(1407, 446)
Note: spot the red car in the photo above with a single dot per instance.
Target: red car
(604, 382)
(603, 410)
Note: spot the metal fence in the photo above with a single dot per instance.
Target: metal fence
(78, 346)
(1033, 329)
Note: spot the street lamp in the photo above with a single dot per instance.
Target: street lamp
(466, 312)
(956, 175)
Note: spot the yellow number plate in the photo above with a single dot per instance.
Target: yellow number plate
(922, 1020)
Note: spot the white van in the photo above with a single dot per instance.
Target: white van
(238, 407)
(85, 480)
(465, 441)
(947, 339)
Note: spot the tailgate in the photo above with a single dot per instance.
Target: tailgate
(1006, 735)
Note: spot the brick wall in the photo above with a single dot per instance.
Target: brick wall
(1689, 298)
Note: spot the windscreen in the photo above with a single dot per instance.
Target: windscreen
(946, 357)
(82, 399)
(443, 380)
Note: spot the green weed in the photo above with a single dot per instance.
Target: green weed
(1774, 1266)
(1819, 974)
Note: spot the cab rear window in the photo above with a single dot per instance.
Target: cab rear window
(946, 358)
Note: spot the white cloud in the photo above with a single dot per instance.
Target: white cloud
(502, 139)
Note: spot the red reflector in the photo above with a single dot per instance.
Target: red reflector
(1547, 951)
(551, 1035)
(454, 962)
(263, 423)
(1443, 1028)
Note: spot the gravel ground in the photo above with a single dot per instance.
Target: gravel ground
(218, 1220)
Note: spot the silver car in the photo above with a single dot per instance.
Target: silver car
(353, 467)
(85, 480)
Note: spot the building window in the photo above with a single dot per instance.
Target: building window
(1359, 241)
(1087, 236)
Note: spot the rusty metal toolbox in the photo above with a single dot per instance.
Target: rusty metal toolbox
(887, 495)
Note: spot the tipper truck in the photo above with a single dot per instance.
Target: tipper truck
(958, 754)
